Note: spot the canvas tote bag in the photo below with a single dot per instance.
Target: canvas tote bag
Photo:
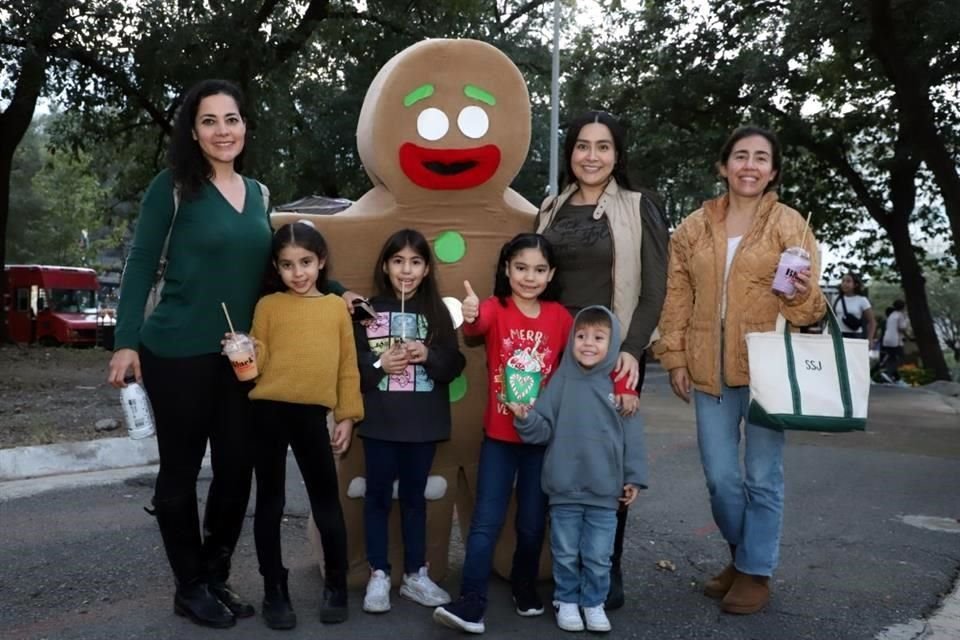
(808, 382)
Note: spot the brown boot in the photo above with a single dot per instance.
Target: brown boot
(718, 585)
(748, 594)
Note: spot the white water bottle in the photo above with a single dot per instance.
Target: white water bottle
(137, 412)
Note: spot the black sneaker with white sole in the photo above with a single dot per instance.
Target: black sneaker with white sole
(465, 614)
(527, 600)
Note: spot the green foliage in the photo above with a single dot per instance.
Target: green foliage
(57, 212)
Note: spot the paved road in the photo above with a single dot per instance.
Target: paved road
(86, 563)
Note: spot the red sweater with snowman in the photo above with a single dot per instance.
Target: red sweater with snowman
(518, 346)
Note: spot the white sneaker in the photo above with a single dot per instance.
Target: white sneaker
(422, 590)
(377, 598)
(596, 618)
(568, 616)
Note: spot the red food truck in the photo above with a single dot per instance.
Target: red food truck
(55, 305)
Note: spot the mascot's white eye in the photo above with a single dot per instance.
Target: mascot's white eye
(473, 122)
(432, 124)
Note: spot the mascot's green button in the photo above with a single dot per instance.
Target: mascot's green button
(450, 247)
(458, 388)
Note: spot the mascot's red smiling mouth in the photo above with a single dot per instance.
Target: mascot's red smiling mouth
(449, 168)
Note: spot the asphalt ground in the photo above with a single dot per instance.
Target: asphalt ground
(868, 550)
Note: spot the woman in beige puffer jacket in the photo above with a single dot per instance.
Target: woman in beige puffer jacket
(722, 262)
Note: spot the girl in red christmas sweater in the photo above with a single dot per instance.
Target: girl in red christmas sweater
(525, 332)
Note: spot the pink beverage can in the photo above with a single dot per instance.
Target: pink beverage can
(792, 260)
(242, 356)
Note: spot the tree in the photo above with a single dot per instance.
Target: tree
(862, 138)
(36, 27)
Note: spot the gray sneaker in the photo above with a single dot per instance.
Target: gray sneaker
(422, 590)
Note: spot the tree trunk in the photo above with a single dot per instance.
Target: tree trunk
(15, 121)
(915, 110)
(915, 291)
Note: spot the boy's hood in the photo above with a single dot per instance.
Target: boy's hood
(569, 364)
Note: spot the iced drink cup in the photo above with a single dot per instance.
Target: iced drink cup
(792, 261)
(242, 356)
(522, 378)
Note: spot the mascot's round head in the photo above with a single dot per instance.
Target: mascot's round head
(445, 115)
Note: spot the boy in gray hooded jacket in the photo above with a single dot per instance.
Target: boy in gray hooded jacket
(595, 460)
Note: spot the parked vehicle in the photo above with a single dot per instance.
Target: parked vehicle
(55, 305)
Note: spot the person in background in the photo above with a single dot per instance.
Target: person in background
(611, 243)
(722, 263)
(893, 335)
(853, 310)
(219, 248)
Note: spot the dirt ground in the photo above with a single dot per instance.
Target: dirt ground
(55, 394)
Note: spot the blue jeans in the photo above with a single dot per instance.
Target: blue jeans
(748, 510)
(500, 463)
(409, 463)
(581, 540)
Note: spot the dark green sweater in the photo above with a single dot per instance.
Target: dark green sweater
(216, 255)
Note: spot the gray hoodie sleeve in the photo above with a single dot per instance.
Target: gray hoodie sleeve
(537, 427)
(634, 452)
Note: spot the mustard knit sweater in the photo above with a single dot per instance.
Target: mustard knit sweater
(306, 353)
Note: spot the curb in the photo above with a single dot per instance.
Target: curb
(20, 463)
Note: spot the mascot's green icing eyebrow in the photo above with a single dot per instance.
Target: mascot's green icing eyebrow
(420, 93)
(479, 94)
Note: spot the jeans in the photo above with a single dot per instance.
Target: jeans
(748, 510)
(500, 463)
(408, 462)
(581, 540)
(304, 428)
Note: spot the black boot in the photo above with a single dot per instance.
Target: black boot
(333, 607)
(615, 597)
(180, 530)
(195, 601)
(216, 566)
(277, 611)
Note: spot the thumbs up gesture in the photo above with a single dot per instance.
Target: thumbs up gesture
(471, 304)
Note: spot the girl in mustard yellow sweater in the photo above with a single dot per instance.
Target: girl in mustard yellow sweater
(308, 366)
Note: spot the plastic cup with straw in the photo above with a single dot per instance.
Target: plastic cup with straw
(240, 350)
(792, 261)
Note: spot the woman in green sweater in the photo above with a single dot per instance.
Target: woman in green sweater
(218, 248)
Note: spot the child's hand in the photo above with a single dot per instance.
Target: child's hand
(394, 360)
(628, 404)
(342, 433)
(416, 351)
(630, 493)
(471, 304)
(519, 410)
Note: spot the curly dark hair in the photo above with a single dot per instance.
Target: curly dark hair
(186, 161)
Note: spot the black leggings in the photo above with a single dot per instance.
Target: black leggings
(304, 428)
(195, 400)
